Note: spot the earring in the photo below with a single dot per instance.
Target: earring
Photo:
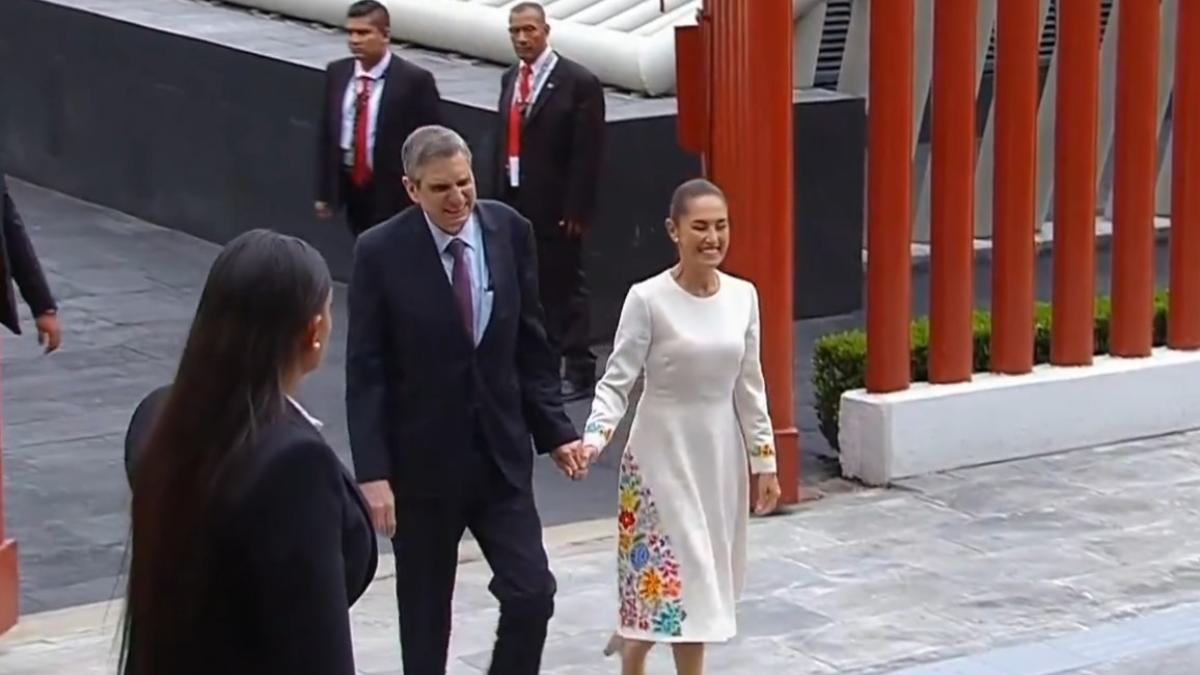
(316, 344)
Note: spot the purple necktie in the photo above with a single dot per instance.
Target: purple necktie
(461, 281)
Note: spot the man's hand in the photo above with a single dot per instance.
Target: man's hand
(49, 331)
(567, 457)
(322, 210)
(768, 494)
(383, 506)
(573, 228)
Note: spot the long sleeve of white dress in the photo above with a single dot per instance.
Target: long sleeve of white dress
(630, 346)
(750, 399)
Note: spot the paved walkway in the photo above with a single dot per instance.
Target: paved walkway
(128, 290)
(1080, 563)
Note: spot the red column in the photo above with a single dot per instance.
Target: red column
(1073, 323)
(951, 335)
(889, 195)
(8, 565)
(751, 89)
(1018, 32)
(1136, 168)
(1183, 326)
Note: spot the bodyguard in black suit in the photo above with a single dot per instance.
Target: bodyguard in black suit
(372, 102)
(448, 375)
(547, 166)
(20, 264)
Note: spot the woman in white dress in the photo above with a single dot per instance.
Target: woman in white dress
(700, 428)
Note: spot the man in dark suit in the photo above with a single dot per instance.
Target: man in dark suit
(21, 265)
(547, 167)
(448, 375)
(372, 102)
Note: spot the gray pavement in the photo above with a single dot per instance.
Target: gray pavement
(127, 291)
(1081, 563)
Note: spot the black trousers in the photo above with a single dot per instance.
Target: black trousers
(363, 205)
(565, 299)
(565, 296)
(506, 525)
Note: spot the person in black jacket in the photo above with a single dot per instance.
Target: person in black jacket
(250, 538)
(450, 386)
(20, 263)
(372, 102)
(551, 131)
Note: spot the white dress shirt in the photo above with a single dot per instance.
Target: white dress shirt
(481, 283)
(376, 76)
(317, 424)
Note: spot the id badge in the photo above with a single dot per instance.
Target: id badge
(514, 171)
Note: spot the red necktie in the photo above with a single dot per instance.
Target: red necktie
(517, 112)
(362, 115)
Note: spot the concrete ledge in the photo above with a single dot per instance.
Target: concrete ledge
(931, 428)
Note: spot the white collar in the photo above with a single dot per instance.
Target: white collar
(304, 413)
(540, 62)
(443, 238)
(375, 72)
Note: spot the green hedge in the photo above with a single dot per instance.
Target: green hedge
(840, 359)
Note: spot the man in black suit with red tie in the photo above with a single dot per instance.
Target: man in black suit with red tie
(372, 102)
(551, 141)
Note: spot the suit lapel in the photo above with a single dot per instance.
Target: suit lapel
(381, 117)
(553, 82)
(498, 264)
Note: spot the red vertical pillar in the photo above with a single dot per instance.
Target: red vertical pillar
(1076, 122)
(889, 195)
(951, 334)
(1136, 168)
(1018, 31)
(751, 89)
(1183, 324)
(8, 564)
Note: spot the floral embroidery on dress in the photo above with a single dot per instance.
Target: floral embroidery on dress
(648, 572)
(597, 428)
(763, 451)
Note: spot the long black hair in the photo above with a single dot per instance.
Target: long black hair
(262, 292)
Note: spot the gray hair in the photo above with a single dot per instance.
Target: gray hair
(428, 143)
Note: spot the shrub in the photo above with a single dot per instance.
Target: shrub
(840, 359)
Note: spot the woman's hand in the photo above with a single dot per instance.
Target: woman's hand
(768, 494)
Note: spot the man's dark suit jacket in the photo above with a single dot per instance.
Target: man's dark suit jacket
(291, 548)
(410, 100)
(419, 393)
(21, 265)
(562, 139)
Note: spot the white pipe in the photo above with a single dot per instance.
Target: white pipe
(621, 58)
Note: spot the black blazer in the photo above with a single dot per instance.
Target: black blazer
(291, 549)
(410, 100)
(562, 143)
(20, 264)
(419, 393)
(140, 426)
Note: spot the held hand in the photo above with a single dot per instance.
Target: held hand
(567, 458)
(49, 331)
(322, 210)
(768, 494)
(382, 503)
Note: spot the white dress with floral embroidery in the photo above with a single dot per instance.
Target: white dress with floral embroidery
(700, 424)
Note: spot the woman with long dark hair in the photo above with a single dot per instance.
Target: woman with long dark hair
(250, 539)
